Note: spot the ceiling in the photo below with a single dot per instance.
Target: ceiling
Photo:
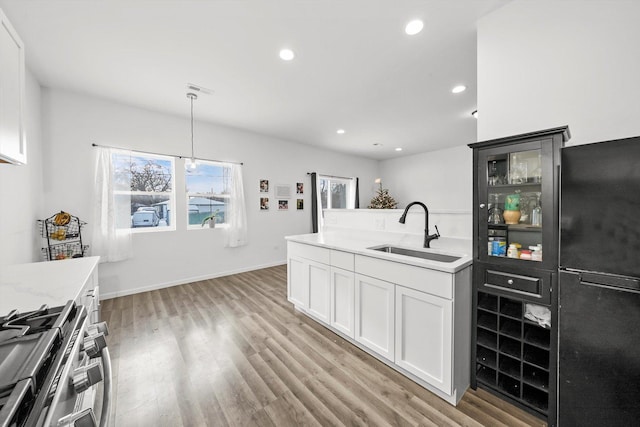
(355, 68)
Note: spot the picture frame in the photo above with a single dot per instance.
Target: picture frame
(264, 203)
(299, 204)
(283, 205)
(283, 191)
(299, 188)
(264, 185)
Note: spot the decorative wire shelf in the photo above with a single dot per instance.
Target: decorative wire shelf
(63, 237)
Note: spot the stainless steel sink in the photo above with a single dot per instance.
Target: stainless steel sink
(416, 254)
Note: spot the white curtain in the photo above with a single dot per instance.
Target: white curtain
(109, 242)
(236, 233)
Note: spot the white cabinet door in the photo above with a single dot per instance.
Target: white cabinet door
(342, 297)
(423, 336)
(319, 284)
(374, 310)
(298, 282)
(12, 94)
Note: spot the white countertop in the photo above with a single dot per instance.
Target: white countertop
(359, 241)
(26, 287)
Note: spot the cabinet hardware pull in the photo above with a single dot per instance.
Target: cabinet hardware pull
(482, 205)
(510, 281)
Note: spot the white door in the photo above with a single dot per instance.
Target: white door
(342, 297)
(319, 285)
(423, 336)
(298, 282)
(374, 311)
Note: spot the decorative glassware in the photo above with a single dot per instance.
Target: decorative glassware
(536, 213)
(495, 213)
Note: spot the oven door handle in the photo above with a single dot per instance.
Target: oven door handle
(106, 395)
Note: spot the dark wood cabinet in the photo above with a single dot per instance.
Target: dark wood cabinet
(516, 234)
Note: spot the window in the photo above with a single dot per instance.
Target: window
(336, 193)
(143, 191)
(208, 191)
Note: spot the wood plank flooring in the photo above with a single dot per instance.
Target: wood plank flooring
(232, 351)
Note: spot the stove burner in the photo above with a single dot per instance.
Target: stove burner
(34, 322)
(14, 324)
(30, 345)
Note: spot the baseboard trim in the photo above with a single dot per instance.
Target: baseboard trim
(109, 295)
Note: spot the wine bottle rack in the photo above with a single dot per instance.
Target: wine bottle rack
(512, 353)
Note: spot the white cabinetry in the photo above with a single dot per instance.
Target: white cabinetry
(424, 336)
(12, 95)
(298, 283)
(342, 301)
(308, 286)
(308, 279)
(375, 315)
(319, 282)
(415, 319)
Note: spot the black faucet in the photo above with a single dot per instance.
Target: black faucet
(427, 237)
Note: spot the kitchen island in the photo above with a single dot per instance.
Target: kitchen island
(411, 313)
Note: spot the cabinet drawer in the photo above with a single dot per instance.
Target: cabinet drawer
(531, 285)
(342, 260)
(315, 253)
(420, 279)
(514, 282)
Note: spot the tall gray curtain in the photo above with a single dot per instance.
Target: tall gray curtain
(314, 202)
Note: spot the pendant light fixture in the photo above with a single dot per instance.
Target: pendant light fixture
(192, 162)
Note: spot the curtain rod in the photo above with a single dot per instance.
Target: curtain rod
(164, 154)
(331, 176)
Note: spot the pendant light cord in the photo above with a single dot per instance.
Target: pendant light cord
(192, 96)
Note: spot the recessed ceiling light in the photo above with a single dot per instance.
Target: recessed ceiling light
(475, 114)
(287, 54)
(458, 89)
(414, 27)
(399, 149)
(340, 131)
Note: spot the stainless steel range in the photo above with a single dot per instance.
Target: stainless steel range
(54, 369)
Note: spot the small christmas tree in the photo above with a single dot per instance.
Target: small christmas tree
(382, 200)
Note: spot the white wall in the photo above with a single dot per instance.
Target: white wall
(546, 63)
(21, 191)
(72, 122)
(440, 179)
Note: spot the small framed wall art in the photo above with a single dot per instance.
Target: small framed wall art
(264, 185)
(264, 203)
(283, 191)
(283, 205)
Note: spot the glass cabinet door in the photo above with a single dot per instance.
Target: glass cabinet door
(513, 193)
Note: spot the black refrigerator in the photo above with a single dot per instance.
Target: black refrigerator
(599, 287)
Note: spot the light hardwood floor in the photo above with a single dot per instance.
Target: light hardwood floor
(232, 351)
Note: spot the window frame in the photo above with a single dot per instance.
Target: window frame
(222, 195)
(350, 190)
(172, 194)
